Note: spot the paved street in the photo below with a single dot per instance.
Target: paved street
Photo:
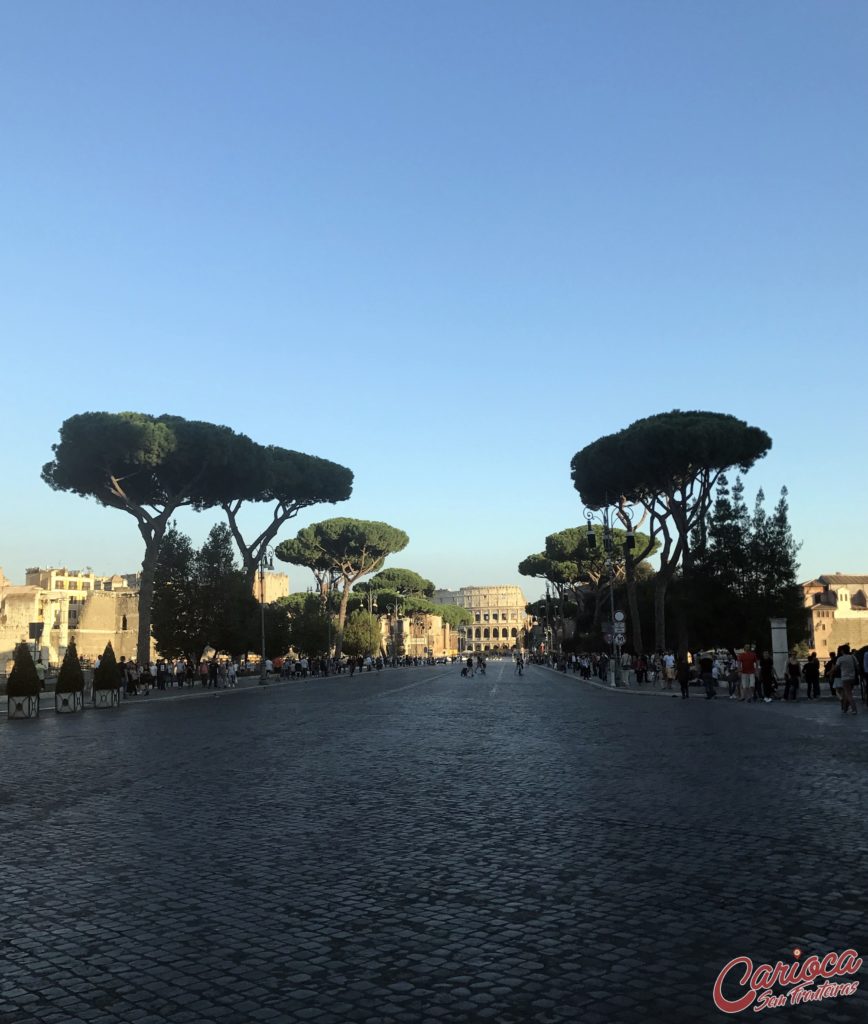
(411, 846)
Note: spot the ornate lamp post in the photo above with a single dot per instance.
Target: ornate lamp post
(266, 561)
(390, 608)
(605, 517)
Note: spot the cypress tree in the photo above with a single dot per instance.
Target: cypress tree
(70, 679)
(23, 680)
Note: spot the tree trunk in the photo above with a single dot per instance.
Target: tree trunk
(342, 617)
(661, 582)
(633, 606)
(153, 536)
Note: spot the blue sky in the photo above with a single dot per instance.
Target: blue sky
(444, 244)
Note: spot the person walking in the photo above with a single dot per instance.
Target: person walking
(746, 659)
(793, 676)
(768, 676)
(811, 672)
(848, 671)
(669, 668)
(682, 673)
(830, 672)
(706, 673)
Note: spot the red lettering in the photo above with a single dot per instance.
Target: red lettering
(781, 973)
(762, 977)
(828, 971)
(849, 963)
(743, 1002)
(810, 969)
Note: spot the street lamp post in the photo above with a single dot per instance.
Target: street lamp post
(606, 520)
(394, 628)
(266, 561)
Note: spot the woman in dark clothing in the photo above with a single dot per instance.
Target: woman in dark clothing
(794, 675)
(811, 673)
(768, 678)
(682, 674)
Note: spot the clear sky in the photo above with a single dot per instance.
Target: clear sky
(445, 244)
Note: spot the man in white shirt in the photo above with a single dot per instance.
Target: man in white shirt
(669, 669)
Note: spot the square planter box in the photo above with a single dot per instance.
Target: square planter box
(106, 698)
(22, 707)
(66, 703)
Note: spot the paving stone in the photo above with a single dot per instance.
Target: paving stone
(518, 851)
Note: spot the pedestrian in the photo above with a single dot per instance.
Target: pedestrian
(682, 673)
(733, 677)
(706, 674)
(811, 673)
(768, 676)
(746, 659)
(830, 672)
(470, 666)
(669, 668)
(793, 676)
(847, 668)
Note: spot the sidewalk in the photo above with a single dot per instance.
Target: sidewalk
(654, 689)
(245, 684)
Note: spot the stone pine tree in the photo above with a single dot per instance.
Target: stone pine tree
(346, 549)
(667, 465)
(286, 480)
(149, 467)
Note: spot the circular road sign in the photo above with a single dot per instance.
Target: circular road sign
(619, 616)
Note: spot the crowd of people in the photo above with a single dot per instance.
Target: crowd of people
(748, 674)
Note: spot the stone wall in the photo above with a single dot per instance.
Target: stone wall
(108, 615)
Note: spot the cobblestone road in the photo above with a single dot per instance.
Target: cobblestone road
(414, 847)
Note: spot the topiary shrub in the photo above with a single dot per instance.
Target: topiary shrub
(23, 680)
(108, 675)
(71, 678)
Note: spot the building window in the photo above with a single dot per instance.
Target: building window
(478, 633)
(485, 635)
(514, 631)
(123, 623)
(494, 616)
(495, 633)
(477, 616)
(486, 616)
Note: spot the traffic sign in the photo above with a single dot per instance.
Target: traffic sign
(619, 616)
